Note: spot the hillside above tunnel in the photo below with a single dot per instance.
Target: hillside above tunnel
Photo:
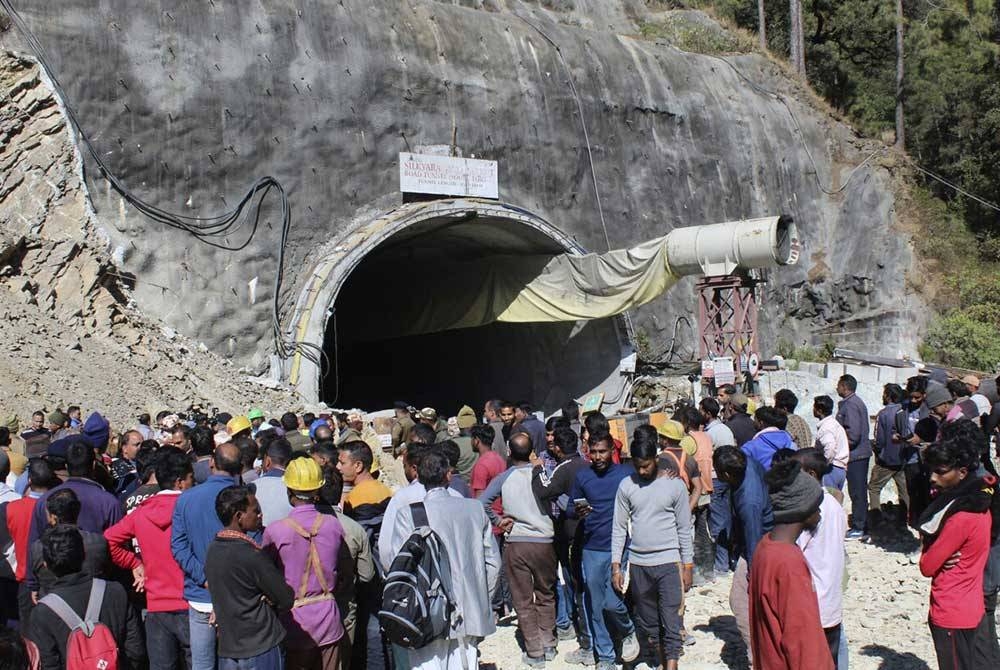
(605, 135)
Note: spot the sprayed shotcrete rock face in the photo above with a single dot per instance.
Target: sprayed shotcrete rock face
(189, 107)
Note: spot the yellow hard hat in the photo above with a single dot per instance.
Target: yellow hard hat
(303, 474)
(672, 430)
(238, 424)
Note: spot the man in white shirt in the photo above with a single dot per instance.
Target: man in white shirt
(831, 439)
(823, 548)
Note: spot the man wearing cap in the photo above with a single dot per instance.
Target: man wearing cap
(739, 422)
(429, 417)
(256, 416)
(303, 544)
(468, 457)
(59, 426)
(853, 415)
(785, 628)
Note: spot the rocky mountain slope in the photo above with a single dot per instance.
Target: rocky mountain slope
(67, 328)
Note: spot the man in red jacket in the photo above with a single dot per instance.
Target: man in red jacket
(957, 523)
(17, 518)
(155, 570)
(785, 628)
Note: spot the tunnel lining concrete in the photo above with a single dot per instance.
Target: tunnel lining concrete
(334, 263)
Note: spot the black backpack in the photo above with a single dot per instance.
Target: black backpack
(417, 605)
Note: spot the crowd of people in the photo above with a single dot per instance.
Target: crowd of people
(205, 540)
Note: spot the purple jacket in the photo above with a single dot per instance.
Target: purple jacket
(317, 622)
(99, 510)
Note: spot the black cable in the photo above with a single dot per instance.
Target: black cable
(204, 228)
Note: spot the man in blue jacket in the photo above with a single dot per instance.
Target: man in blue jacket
(771, 436)
(194, 526)
(751, 518)
(853, 416)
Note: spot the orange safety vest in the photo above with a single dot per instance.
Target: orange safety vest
(680, 461)
(703, 457)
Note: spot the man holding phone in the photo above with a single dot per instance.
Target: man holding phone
(593, 495)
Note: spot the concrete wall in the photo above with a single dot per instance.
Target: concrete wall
(189, 102)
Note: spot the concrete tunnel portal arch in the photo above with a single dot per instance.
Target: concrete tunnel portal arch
(346, 302)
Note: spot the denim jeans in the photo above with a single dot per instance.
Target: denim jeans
(202, 640)
(857, 488)
(719, 519)
(835, 478)
(272, 659)
(168, 639)
(604, 604)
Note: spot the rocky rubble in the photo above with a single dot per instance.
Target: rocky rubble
(66, 323)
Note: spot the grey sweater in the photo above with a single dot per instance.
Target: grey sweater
(661, 522)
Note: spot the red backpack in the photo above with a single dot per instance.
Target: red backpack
(90, 646)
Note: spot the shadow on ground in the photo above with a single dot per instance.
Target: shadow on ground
(894, 660)
(734, 652)
(888, 530)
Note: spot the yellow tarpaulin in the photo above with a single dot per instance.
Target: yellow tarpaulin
(522, 289)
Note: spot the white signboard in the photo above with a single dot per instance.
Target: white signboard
(443, 175)
(724, 371)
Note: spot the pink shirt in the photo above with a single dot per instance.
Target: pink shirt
(484, 471)
(318, 623)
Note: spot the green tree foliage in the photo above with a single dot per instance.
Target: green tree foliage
(951, 103)
(952, 90)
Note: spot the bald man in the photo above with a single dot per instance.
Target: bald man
(195, 525)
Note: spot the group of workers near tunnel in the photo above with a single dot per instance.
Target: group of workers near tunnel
(238, 542)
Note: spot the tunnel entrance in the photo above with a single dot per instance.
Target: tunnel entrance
(375, 357)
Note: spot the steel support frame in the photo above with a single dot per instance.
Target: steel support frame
(727, 317)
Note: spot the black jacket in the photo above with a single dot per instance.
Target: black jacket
(49, 632)
(96, 563)
(742, 426)
(239, 574)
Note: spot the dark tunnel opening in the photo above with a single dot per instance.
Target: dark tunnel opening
(374, 361)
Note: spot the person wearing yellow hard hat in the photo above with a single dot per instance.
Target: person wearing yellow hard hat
(674, 460)
(238, 426)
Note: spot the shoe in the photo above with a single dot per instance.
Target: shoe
(688, 639)
(580, 657)
(566, 633)
(606, 665)
(551, 653)
(630, 648)
(855, 535)
(532, 661)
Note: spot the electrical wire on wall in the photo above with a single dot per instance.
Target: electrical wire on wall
(210, 230)
(626, 316)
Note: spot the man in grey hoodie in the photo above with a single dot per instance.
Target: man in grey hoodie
(660, 556)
